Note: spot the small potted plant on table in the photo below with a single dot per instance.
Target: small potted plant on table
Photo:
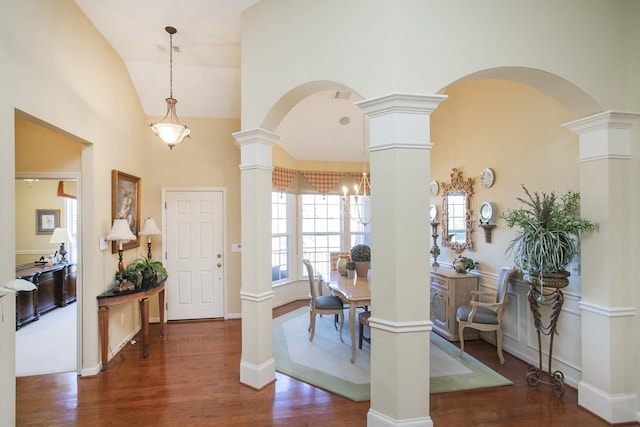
(145, 273)
(361, 256)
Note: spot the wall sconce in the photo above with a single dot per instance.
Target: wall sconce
(149, 228)
(62, 236)
(121, 233)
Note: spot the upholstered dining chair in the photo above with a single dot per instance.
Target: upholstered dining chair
(363, 320)
(329, 304)
(486, 316)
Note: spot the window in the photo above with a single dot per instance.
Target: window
(322, 228)
(279, 236)
(71, 215)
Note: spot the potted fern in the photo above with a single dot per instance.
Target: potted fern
(361, 255)
(548, 237)
(145, 273)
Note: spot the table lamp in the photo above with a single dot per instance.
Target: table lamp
(149, 228)
(62, 236)
(121, 233)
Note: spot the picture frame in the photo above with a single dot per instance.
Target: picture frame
(125, 203)
(47, 220)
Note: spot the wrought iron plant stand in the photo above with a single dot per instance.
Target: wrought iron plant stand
(537, 298)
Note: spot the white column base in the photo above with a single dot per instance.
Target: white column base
(257, 376)
(376, 419)
(614, 408)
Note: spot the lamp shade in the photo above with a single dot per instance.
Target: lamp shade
(60, 235)
(120, 231)
(149, 227)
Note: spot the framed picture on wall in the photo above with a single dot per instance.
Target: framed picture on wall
(125, 203)
(47, 220)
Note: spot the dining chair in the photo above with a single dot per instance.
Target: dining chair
(363, 320)
(486, 316)
(327, 304)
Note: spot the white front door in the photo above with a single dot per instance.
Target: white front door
(195, 254)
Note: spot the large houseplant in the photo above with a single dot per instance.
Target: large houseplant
(144, 272)
(361, 255)
(549, 235)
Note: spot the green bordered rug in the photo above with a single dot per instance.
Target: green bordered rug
(325, 362)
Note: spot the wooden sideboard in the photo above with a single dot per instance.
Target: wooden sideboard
(449, 290)
(55, 287)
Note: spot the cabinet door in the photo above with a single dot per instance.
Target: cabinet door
(47, 290)
(66, 292)
(440, 308)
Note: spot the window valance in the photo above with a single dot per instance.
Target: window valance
(306, 182)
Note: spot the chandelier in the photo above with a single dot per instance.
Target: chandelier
(362, 193)
(169, 129)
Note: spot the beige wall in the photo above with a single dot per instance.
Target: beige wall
(209, 159)
(516, 131)
(39, 195)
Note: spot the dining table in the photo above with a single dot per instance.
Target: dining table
(357, 293)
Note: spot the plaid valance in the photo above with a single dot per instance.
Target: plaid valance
(300, 182)
(323, 181)
(282, 177)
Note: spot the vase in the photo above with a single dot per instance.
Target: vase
(362, 268)
(341, 264)
(458, 265)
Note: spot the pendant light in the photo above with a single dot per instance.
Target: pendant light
(169, 129)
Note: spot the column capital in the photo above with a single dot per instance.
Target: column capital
(400, 120)
(256, 147)
(604, 135)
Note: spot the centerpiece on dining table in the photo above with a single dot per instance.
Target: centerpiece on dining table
(361, 256)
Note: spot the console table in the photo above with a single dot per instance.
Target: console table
(110, 298)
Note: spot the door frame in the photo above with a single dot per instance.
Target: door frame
(69, 176)
(223, 190)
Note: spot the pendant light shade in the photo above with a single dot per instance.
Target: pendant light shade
(169, 129)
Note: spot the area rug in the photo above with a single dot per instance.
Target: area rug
(325, 362)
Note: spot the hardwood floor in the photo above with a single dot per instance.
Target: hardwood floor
(191, 378)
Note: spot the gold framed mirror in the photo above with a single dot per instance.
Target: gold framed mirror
(457, 215)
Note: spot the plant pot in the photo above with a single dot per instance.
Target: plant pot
(549, 280)
(362, 268)
(351, 274)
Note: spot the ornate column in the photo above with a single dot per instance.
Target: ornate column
(257, 367)
(400, 149)
(608, 314)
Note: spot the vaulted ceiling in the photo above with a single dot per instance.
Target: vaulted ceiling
(206, 71)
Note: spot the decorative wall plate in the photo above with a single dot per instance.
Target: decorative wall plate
(433, 213)
(486, 212)
(486, 177)
(435, 188)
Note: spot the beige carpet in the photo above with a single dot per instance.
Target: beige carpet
(325, 362)
(48, 345)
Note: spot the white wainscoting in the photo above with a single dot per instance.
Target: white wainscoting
(520, 337)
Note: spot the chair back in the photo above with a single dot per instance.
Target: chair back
(503, 283)
(312, 287)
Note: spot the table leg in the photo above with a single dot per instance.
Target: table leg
(103, 321)
(352, 330)
(161, 311)
(144, 314)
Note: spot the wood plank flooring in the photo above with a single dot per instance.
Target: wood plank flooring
(191, 378)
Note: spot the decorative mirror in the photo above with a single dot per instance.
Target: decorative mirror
(456, 213)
